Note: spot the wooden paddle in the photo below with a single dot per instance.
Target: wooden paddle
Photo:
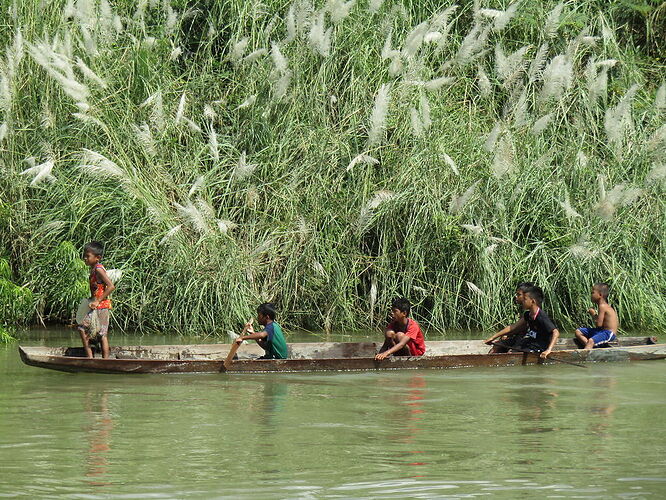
(527, 351)
(236, 345)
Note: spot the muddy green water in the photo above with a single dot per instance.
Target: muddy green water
(553, 431)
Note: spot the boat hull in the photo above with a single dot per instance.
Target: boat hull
(210, 359)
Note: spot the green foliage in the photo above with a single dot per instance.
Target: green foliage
(16, 302)
(59, 277)
(233, 157)
(6, 335)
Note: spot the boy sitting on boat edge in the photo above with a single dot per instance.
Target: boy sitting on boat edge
(606, 321)
(271, 338)
(403, 336)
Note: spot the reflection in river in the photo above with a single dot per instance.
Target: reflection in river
(98, 432)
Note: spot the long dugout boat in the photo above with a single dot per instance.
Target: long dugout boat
(321, 356)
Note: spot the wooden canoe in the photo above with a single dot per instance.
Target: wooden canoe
(318, 356)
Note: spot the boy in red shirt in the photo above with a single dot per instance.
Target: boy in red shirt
(403, 336)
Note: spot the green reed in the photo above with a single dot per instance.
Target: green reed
(222, 171)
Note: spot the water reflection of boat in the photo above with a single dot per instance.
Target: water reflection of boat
(319, 356)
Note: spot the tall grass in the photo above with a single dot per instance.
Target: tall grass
(330, 156)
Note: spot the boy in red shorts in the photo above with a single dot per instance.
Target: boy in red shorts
(403, 336)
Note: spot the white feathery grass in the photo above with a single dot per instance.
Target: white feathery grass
(213, 145)
(375, 5)
(243, 169)
(619, 196)
(520, 112)
(535, 71)
(209, 113)
(541, 124)
(115, 275)
(656, 144)
(491, 139)
(387, 51)
(320, 37)
(367, 211)
(90, 74)
(660, 98)
(457, 203)
(5, 92)
(90, 119)
(96, 163)
(290, 25)
(440, 21)
(472, 45)
(503, 19)
(248, 102)
(379, 112)
(171, 19)
(598, 82)
(475, 288)
(197, 186)
(449, 161)
(581, 159)
(438, 83)
(191, 214)
(145, 138)
(569, 211)
(180, 111)
(503, 160)
(175, 53)
(557, 77)
(254, 55)
(485, 87)
(657, 174)
(424, 111)
(582, 249)
(432, 36)
(225, 225)
(617, 119)
(417, 125)
(238, 49)
(279, 60)
(414, 40)
(362, 158)
(474, 229)
(509, 67)
(41, 172)
(47, 120)
(282, 85)
(553, 21)
(4, 130)
(339, 9)
(192, 125)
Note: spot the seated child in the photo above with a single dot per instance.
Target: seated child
(542, 334)
(403, 336)
(606, 321)
(101, 287)
(511, 334)
(271, 338)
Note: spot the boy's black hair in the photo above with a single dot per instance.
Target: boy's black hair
(95, 247)
(402, 304)
(535, 293)
(267, 309)
(603, 289)
(524, 285)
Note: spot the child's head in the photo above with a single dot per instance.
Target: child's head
(531, 296)
(400, 309)
(600, 291)
(93, 253)
(265, 313)
(520, 290)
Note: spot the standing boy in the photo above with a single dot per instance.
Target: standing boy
(606, 322)
(101, 287)
(403, 336)
(271, 338)
(511, 334)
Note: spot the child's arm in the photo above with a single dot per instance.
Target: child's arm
(110, 287)
(553, 340)
(601, 317)
(517, 326)
(402, 342)
(252, 336)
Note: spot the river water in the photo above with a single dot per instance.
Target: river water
(554, 431)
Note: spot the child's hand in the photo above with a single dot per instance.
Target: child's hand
(248, 326)
(381, 355)
(489, 341)
(239, 340)
(592, 312)
(94, 304)
(544, 354)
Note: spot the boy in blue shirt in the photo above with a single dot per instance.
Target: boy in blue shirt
(271, 338)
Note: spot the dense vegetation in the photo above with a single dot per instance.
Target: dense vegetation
(331, 156)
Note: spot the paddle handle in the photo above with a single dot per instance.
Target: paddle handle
(230, 356)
